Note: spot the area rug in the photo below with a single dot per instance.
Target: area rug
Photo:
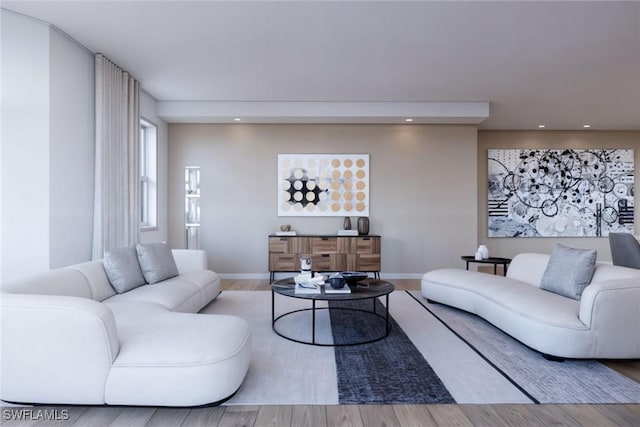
(463, 361)
(388, 371)
(542, 380)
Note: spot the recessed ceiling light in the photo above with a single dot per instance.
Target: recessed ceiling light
(237, 119)
(408, 120)
(586, 126)
(541, 126)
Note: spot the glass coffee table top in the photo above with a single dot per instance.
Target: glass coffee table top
(367, 288)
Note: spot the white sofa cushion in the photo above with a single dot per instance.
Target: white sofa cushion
(528, 268)
(96, 277)
(174, 351)
(478, 289)
(190, 259)
(207, 281)
(612, 272)
(174, 294)
(62, 281)
(59, 349)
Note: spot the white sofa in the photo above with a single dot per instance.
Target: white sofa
(68, 338)
(604, 323)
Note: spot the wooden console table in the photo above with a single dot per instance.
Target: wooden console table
(329, 253)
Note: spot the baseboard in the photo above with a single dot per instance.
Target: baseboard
(245, 276)
(392, 276)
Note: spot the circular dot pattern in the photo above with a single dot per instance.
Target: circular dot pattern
(323, 184)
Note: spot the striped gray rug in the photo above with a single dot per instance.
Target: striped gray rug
(388, 371)
(541, 380)
(475, 362)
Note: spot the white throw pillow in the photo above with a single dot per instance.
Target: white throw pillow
(569, 271)
(156, 261)
(123, 269)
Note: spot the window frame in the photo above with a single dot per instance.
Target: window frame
(148, 184)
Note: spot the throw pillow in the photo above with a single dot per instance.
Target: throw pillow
(122, 268)
(156, 261)
(569, 271)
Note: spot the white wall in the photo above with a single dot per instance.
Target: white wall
(148, 112)
(72, 152)
(25, 146)
(509, 247)
(423, 190)
(47, 154)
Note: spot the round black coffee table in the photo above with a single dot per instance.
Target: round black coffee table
(365, 289)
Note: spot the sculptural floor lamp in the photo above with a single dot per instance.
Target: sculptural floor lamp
(192, 207)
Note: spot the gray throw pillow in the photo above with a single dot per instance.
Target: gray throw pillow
(569, 271)
(156, 261)
(122, 268)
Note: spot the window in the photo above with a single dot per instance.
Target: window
(148, 175)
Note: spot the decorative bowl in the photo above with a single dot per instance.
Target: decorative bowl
(337, 282)
(353, 277)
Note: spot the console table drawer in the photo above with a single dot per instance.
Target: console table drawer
(284, 262)
(368, 245)
(367, 262)
(329, 262)
(289, 245)
(324, 245)
(279, 245)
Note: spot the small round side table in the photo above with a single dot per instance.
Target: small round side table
(504, 262)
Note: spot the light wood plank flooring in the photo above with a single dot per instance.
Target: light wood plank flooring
(353, 415)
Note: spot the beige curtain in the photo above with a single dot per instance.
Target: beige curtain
(116, 216)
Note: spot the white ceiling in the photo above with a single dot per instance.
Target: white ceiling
(562, 64)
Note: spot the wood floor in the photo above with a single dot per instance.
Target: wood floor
(349, 415)
(340, 415)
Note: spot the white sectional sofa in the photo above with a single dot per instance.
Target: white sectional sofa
(69, 338)
(603, 323)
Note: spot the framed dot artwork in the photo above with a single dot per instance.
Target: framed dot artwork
(323, 184)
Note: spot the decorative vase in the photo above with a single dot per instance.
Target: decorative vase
(347, 223)
(484, 251)
(305, 264)
(363, 225)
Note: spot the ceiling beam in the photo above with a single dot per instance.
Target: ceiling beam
(471, 112)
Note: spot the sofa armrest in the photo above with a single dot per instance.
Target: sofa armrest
(55, 349)
(609, 297)
(190, 259)
(611, 309)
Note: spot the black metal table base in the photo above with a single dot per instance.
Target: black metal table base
(313, 309)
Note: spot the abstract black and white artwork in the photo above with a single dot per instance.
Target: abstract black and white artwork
(323, 184)
(560, 192)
